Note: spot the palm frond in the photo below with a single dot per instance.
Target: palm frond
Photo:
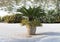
(34, 12)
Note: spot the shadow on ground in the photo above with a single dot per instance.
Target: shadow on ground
(49, 33)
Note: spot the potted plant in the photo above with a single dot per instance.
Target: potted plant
(31, 18)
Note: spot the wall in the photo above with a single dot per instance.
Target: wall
(16, 29)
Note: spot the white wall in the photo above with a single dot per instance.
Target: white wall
(17, 29)
(9, 30)
(49, 28)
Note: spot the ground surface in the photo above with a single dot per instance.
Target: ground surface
(18, 33)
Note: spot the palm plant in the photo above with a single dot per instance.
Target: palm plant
(32, 20)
